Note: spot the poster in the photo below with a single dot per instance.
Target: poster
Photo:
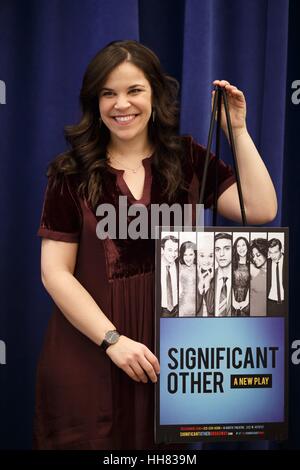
(221, 334)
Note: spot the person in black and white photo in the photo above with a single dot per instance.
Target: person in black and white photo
(169, 276)
(258, 272)
(223, 278)
(276, 278)
(205, 275)
(187, 279)
(241, 277)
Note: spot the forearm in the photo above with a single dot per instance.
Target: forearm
(77, 305)
(258, 191)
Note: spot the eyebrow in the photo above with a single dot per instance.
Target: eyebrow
(131, 86)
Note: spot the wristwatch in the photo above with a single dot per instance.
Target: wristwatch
(111, 337)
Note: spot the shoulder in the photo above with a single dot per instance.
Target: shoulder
(62, 190)
(61, 218)
(71, 181)
(62, 184)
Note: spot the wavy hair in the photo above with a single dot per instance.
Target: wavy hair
(88, 141)
(185, 246)
(236, 256)
(261, 244)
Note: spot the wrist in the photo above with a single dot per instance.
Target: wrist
(111, 337)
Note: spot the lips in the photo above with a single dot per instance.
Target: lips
(124, 119)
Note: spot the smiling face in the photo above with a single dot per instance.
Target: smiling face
(189, 256)
(258, 258)
(241, 248)
(275, 253)
(205, 257)
(169, 252)
(125, 103)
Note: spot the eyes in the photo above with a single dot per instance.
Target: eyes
(225, 248)
(134, 91)
(170, 250)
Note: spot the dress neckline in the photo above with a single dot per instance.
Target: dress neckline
(146, 194)
(144, 161)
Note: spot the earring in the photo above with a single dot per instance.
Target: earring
(153, 115)
(100, 122)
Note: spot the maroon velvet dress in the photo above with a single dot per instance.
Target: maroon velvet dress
(83, 400)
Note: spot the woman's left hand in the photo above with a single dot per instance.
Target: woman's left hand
(236, 104)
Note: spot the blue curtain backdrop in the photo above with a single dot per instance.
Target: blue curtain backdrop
(45, 46)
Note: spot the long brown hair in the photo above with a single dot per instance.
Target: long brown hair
(88, 141)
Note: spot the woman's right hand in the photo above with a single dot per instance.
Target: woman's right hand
(204, 281)
(135, 359)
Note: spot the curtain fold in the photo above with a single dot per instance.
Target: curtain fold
(246, 44)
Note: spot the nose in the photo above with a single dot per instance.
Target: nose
(121, 102)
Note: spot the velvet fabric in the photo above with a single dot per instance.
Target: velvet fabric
(84, 401)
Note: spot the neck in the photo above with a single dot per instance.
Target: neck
(131, 151)
(166, 262)
(224, 271)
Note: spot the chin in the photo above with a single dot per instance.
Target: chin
(125, 135)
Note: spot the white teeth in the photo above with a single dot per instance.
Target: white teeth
(125, 118)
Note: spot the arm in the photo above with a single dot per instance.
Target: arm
(57, 266)
(258, 191)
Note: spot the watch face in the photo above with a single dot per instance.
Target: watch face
(112, 337)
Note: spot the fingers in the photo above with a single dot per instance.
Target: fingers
(135, 359)
(139, 372)
(153, 360)
(146, 364)
(231, 90)
(222, 83)
(130, 372)
(138, 369)
(150, 365)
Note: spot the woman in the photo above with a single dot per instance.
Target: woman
(240, 277)
(97, 369)
(187, 279)
(205, 290)
(258, 290)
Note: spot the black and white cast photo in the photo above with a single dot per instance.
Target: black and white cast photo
(223, 274)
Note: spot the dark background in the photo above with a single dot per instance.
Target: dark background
(45, 46)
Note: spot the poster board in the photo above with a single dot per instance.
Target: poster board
(221, 343)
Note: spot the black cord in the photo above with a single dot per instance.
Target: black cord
(217, 106)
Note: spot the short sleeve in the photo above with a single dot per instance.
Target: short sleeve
(61, 214)
(226, 175)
